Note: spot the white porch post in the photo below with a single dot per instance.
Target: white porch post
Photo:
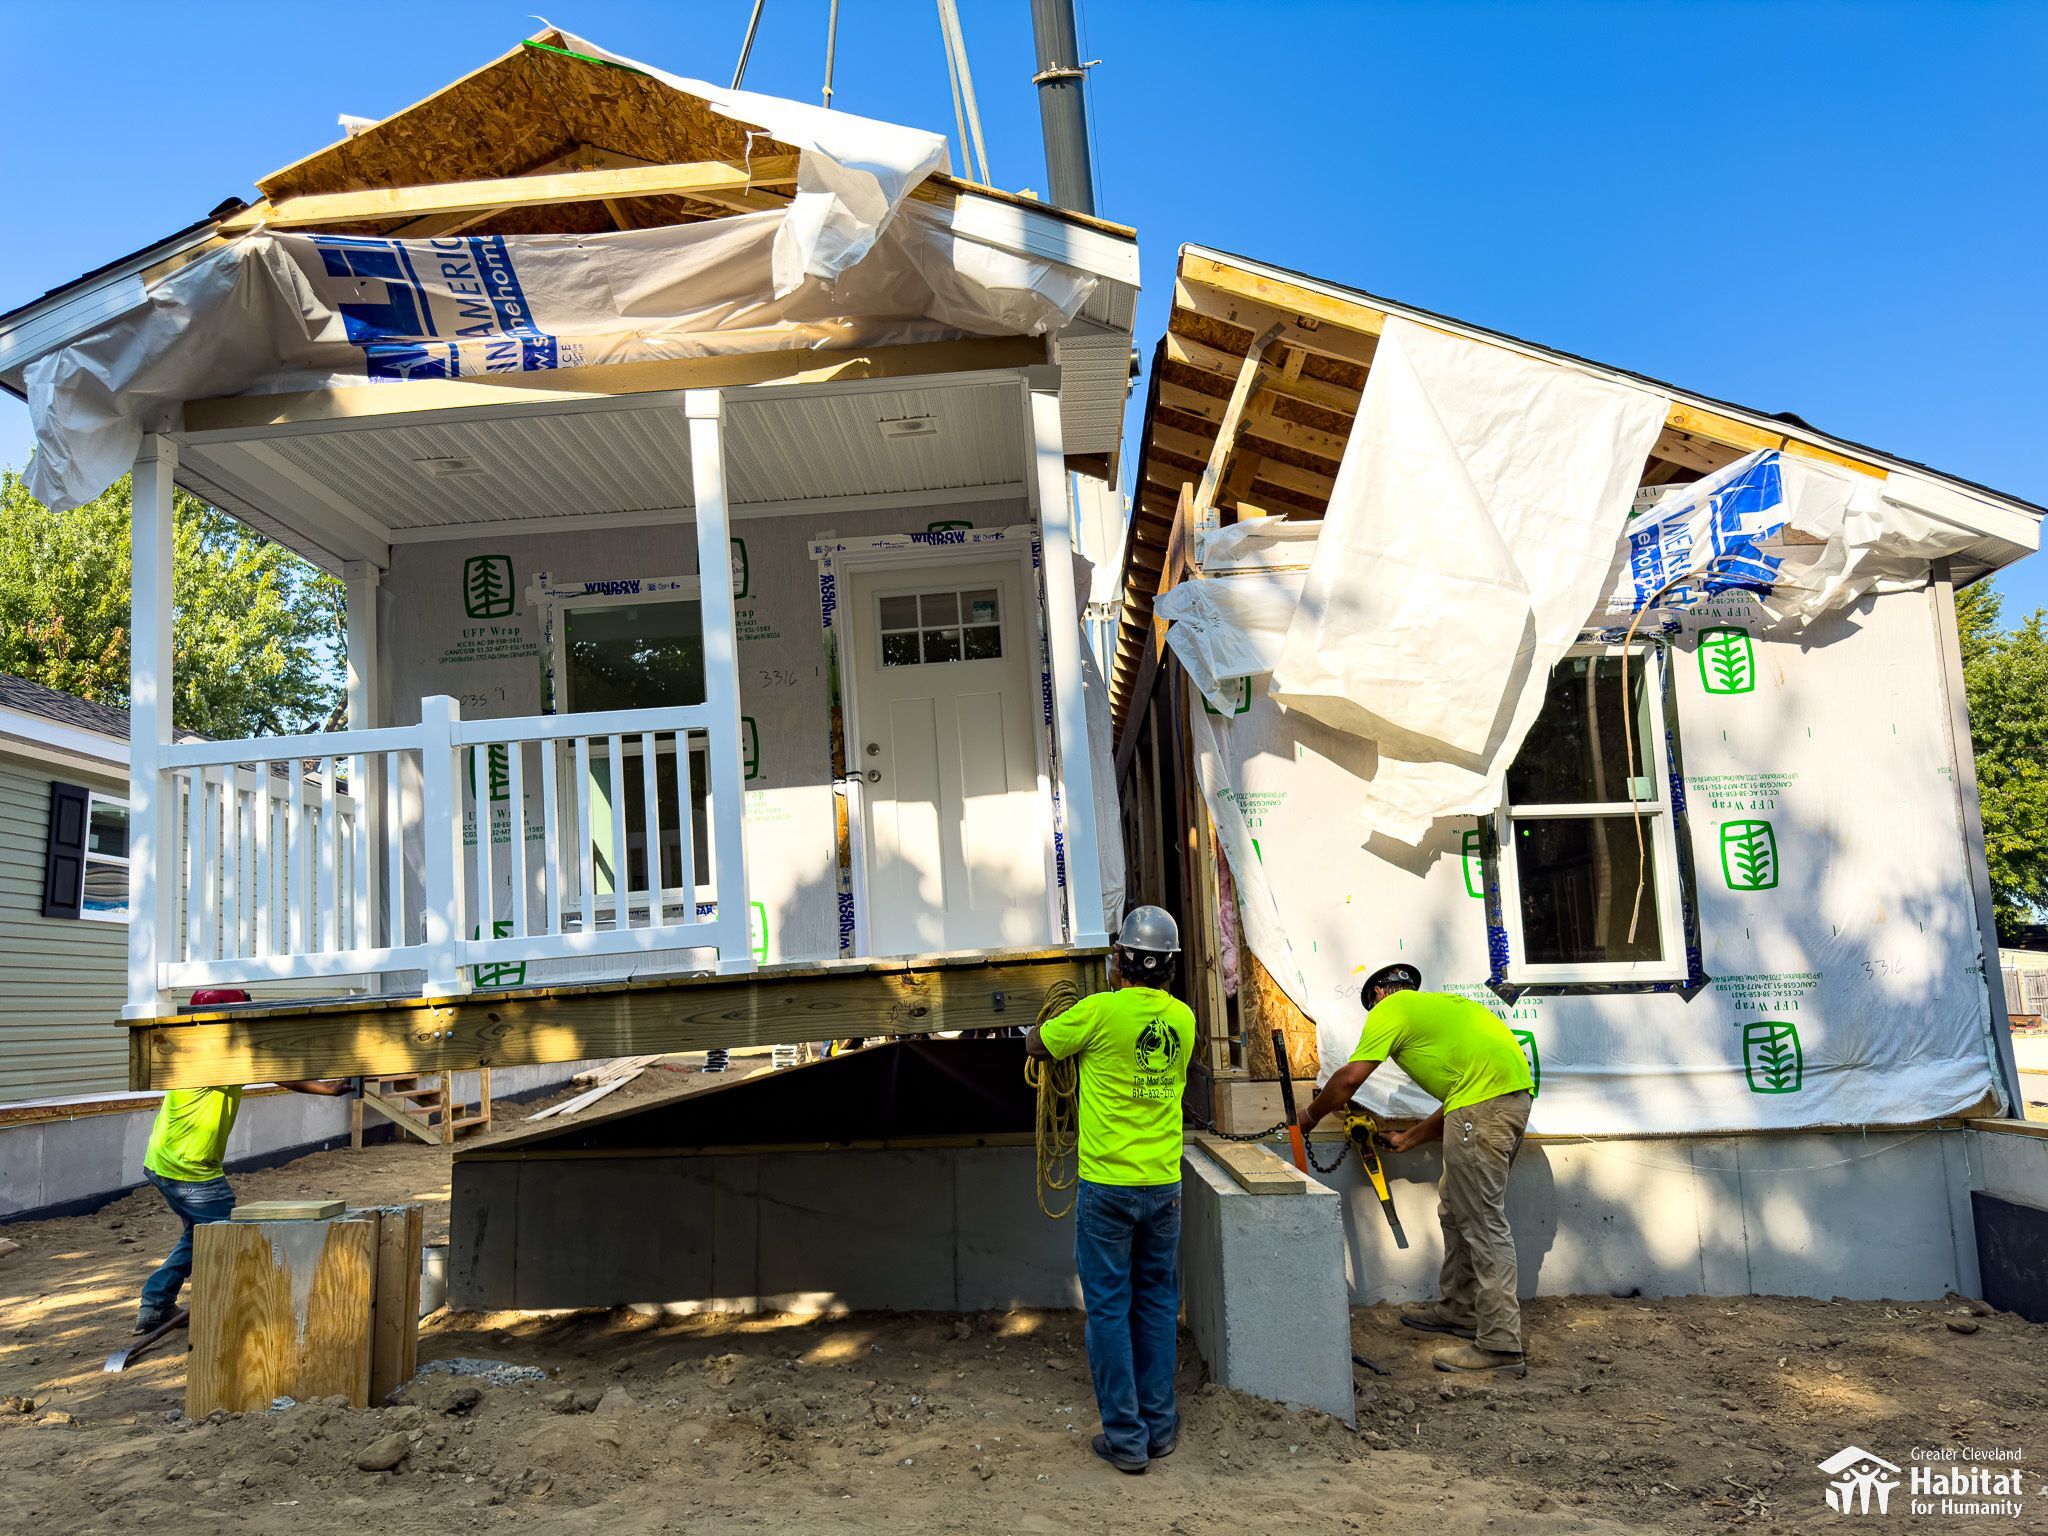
(705, 410)
(361, 579)
(1047, 479)
(442, 864)
(152, 819)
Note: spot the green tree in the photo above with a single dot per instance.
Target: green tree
(257, 632)
(2005, 676)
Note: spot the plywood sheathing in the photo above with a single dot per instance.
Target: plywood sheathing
(526, 110)
(520, 111)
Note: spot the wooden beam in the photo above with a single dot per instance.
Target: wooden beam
(1204, 504)
(703, 180)
(781, 1005)
(1298, 333)
(1293, 477)
(1224, 365)
(1251, 288)
(392, 404)
(1263, 422)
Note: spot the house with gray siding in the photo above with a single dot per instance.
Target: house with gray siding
(63, 894)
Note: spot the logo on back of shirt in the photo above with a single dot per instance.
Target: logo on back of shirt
(1157, 1047)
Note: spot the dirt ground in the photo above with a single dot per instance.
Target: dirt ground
(1693, 1414)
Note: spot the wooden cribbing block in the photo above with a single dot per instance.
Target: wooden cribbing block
(280, 1309)
(288, 1210)
(1256, 1170)
(395, 1311)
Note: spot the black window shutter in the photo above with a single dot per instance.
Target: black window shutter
(64, 861)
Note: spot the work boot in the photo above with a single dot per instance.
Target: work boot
(149, 1319)
(1164, 1448)
(1100, 1446)
(1470, 1357)
(1434, 1319)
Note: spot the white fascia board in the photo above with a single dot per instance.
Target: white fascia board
(72, 311)
(1966, 508)
(36, 736)
(1981, 511)
(1025, 232)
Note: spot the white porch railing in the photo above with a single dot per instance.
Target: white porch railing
(419, 848)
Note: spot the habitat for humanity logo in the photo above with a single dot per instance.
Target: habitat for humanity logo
(449, 308)
(1862, 1482)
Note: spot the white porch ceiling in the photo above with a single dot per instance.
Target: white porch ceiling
(341, 492)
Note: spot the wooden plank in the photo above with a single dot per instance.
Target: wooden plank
(406, 1119)
(423, 397)
(1243, 1105)
(1223, 365)
(1257, 1170)
(288, 1210)
(280, 1309)
(1226, 431)
(1299, 333)
(697, 178)
(395, 1307)
(783, 1005)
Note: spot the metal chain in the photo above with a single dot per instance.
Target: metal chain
(1272, 1132)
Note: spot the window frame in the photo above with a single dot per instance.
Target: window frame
(605, 904)
(1661, 835)
(120, 861)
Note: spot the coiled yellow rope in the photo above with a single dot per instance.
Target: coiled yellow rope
(1059, 1138)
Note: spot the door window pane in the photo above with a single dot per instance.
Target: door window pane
(1578, 888)
(1574, 753)
(635, 656)
(935, 627)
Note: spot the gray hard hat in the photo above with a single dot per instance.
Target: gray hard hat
(1151, 929)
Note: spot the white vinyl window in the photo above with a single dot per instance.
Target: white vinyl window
(106, 860)
(1579, 902)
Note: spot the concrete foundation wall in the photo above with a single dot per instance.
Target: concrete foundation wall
(939, 1229)
(51, 1166)
(1825, 1214)
(1262, 1287)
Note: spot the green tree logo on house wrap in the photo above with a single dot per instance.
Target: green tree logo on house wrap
(1527, 1042)
(1772, 1058)
(741, 581)
(1749, 855)
(1727, 660)
(750, 748)
(506, 974)
(1239, 693)
(757, 915)
(487, 586)
(1471, 854)
(495, 779)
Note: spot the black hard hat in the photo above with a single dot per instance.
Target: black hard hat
(1389, 975)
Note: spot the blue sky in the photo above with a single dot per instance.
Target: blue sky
(1833, 209)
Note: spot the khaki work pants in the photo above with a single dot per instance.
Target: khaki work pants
(1478, 1281)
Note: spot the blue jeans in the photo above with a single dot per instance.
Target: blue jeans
(211, 1200)
(1127, 1247)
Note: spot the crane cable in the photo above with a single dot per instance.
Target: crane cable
(1059, 1136)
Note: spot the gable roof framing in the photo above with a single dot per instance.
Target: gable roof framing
(1289, 439)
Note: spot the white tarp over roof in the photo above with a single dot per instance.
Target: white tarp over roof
(277, 312)
(1470, 530)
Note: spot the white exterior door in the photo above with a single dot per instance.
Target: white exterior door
(946, 699)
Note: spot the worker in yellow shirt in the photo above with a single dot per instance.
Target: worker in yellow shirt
(1133, 1044)
(184, 1160)
(1459, 1053)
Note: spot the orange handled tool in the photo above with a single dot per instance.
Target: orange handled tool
(1287, 1101)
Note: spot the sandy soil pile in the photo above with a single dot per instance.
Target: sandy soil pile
(1685, 1415)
